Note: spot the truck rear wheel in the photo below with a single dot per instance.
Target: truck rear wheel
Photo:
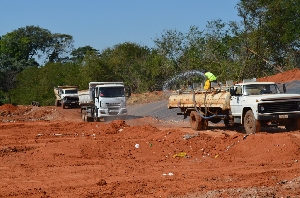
(57, 103)
(251, 125)
(196, 122)
(89, 119)
(226, 123)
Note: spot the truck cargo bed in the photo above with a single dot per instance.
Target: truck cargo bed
(85, 98)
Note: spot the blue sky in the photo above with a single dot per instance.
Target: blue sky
(103, 24)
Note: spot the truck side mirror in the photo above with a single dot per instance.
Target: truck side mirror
(128, 92)
(232, 91)
(93, 94)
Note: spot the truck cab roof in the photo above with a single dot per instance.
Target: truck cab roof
(256, 83)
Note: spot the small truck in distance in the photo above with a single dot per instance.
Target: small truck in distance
(66, 96)
(103, 101)
(251, 104)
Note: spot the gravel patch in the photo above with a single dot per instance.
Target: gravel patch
(156, 109)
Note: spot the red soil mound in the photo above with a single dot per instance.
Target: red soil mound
(287, 76)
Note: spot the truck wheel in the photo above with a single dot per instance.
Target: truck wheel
(251, 125)
(215, 120)
(89, 119)
(195, 121)
(226, 123)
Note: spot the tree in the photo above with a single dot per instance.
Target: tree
(171, 45)
(60, 48)
(271, 32)
(19, 48)
(223, 53)
(126, 62)
(28, 87)
(94, 69)
(79, 53)
(25, 43)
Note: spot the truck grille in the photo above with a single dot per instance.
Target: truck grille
(75, 99)
(279, 107)
(113, 111)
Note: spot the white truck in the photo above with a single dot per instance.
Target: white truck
(66, 96)
(251, 104)
(103, 101)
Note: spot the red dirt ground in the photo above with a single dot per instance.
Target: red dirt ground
(49, 152)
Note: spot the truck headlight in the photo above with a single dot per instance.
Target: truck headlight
(261, 108)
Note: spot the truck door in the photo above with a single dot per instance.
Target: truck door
(97, 97)
(236, 102)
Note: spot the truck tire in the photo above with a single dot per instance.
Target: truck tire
(226, 122)
(89, 119)
(196, 121)
(204, 124)
(251, 125)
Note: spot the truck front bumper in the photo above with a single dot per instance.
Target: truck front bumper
(113, 113)
(277, 116)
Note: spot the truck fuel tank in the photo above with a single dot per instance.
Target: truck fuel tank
(219, 99)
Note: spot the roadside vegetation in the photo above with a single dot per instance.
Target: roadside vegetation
(264, 42)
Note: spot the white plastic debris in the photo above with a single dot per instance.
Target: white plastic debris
(168, 174)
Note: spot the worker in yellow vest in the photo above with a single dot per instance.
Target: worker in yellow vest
(210, 78)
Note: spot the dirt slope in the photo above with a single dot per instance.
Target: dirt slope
(287, 76)
(50, 152)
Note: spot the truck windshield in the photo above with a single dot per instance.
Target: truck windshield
(71, 91)
(257, 89)
(111, 92)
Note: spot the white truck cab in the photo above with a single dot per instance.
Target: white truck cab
(256, 104)
(103, 100)
(66, 96)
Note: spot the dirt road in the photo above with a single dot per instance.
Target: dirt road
(50, 152)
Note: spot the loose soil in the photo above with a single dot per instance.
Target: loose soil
(50, 152)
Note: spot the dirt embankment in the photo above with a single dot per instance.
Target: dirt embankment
(287, 76)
